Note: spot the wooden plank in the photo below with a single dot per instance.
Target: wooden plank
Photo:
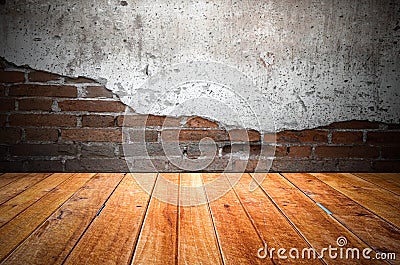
(197, 243)
(388, 181)
(158, 239)
(19, 228)
(14, 206)
(21, 184)
(111, 237)
(7, 178)
(236, 234)
(385, 237)
(316, 226)
(270, 223)
(53, 240)
(379, 201)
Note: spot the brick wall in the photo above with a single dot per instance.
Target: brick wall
(56, 123)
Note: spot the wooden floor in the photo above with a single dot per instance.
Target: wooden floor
(108, 219)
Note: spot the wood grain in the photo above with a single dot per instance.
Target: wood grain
(197, 243)
(7, 178)
(388, 181)
(378, 200)
(19, 228)
(158, 239)
(19, 185)
(316, 226)
(111, 237)
(271, 224)
(237, 236)
(385, 237)
(16, 205)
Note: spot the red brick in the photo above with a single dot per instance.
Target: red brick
(384, 138)
(42, 120)
(148, 120)
(253, 150)
(43, 90)
(392, 152)
(97, 92)
(293, 151)
(300, 165)
(42, 150)
(387, 166)
(347, 137)
(3, 90)
(137, 135)
(10, 135)
(346, 152)
(41, 134)
(97, 165)
(198, 122)
(306, 136)
(91, 135)
(40, 76)
(244, 135)
(354, 125)
(11, 77)
(35, 104)
(98, 121)
(7, 104)
(3, 120)
(43, 166)
(193, 135)
(355, 165)
(98, 150)
(91, 105)
(78, 80)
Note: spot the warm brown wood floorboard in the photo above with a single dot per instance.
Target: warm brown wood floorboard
(111, 237)
(158, 239)
(7, 178)
(237, 236)
(54, 239)
(21, 184)
(377, 233)
(19, 228)
(388, 181)
(14, 206)
(272, 226)
(376, 199)
(319, 228)
(197, 243)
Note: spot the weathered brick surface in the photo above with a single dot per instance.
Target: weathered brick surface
(43, 91)
(40, 76)
(11, 77)
(91, 105)
(98, 121)
(46, 127)
(47, 120)
(35, 104)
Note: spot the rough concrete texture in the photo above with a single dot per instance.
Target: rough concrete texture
(316, 62)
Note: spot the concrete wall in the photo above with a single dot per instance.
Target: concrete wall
(316, 62)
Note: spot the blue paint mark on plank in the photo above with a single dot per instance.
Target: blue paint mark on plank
(323, 208)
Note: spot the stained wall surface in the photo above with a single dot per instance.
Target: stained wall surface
(316, 62)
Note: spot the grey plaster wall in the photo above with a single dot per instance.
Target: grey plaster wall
(315, 62)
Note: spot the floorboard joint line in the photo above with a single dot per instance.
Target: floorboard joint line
(143, 220)
(397, 228)
(33, 231)
(213, 223)
(91, 221)
(284, 215)
(248, 215)
(379, 186)
(37, 200)
(332, 214)
(15, 195)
